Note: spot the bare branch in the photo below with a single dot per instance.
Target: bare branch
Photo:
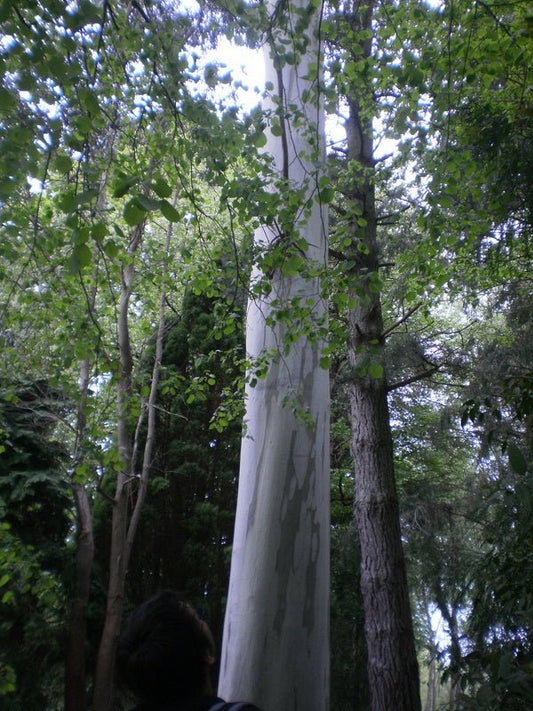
(413, 379)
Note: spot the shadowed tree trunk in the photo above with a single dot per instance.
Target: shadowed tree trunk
(392, 663)
(75, 664)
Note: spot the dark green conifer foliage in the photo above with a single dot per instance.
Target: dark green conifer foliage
(187, 524)
(34, 521)
(33, 486)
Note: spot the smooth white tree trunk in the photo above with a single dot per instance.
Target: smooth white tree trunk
(276, 636)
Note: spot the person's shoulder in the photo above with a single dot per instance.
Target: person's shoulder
(233, 706)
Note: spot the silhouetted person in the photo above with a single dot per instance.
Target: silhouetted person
(165, 657)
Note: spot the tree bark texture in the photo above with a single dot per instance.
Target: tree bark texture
(392, 662)
(276, 647)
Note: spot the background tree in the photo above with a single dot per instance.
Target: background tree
(391, 655)
(75, 258)
(472, 238)
(189, 513)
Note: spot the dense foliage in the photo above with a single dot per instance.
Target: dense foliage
(130, 183)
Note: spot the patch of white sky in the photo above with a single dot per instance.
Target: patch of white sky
(243, 70)
(247, 70)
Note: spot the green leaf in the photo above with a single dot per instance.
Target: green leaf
(80, 257)
(259, 139)
(292, 265)
(5, 9)
(63, 163)
(375, 370)
(211, 75)
(111, 248)
(132, 213)
(84, 124)
(161, 188)
(124, 184)
(7, 100)
(86, 196)
(83, 255)
(67, 202)
(80, 235)
(7, 597)
(99, 231)
(90, 101)
(169, 211)
(327, 195)
(146, 203)
(82, 473)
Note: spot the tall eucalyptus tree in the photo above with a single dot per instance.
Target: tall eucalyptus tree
(275, 650)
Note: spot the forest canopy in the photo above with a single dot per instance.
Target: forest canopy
(178, 268)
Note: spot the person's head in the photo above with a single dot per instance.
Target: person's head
(165, 652)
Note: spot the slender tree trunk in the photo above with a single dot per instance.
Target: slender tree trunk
(124, 528)
(75, 662)
(433, 675)
(451, 617)
(392, 663)
(432, 686)
(275, 649)
(103, 687)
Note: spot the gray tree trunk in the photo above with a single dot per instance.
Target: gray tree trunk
(276, 647)
(75, 661)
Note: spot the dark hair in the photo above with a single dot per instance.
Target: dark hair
(163, 653)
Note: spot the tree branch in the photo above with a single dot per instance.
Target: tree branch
(413, 379)
(398, 323)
